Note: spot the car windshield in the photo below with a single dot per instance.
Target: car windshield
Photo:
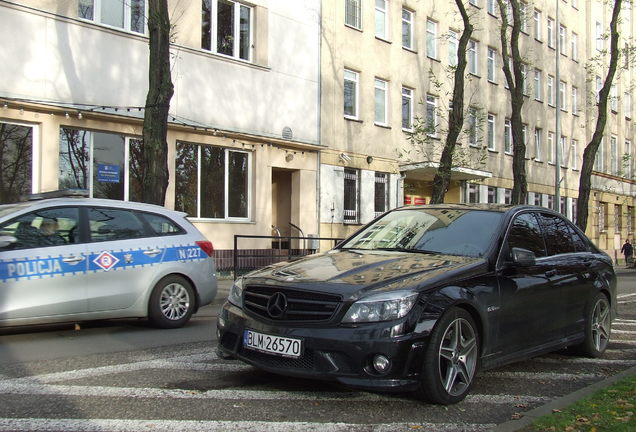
(446, 231)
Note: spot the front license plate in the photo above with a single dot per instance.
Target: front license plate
(277, 345)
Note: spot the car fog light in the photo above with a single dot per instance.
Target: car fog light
(381, 363)
(221, 322)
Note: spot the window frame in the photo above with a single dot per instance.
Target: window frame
(356, 7)
(408, 23)
(127, 15)
(382, 16)
(408, 95)
(354, 77)
(380, 85)
(236, 31)
(432, 50)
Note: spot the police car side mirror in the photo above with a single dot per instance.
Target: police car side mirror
(7, 240)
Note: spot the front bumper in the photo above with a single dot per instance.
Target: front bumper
(338, 353)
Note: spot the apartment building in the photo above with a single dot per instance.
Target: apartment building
(243, 132)
(387, 67)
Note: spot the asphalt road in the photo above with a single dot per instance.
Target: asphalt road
(124, 376)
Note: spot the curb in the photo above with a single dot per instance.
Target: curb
(562, 402)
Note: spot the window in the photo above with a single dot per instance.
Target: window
(562, 95)
(599, 36)
(550, 32)
(227, 28)
(96, 161)
(381, 193)
(107, 224)
(352, 14)
(563, 40)
(599, 161)
(630, 219)
(538, 138)
(128, 15)
(563, 143)
(551, 147)
(472, 192)
(407, 109)
(550, 202)
(574, 154)
(212, 182)
(16, 161)
(473, 57)
(43, 228)
(560, 237)
(627, 105)
(491, 7)
(574, 46)
(431, 115)
(537, 199)
(351, 195)
(407, 29)
(492, 195)
(524, 78)
(613, 99)
(614, 166)
(507, 196)
(628, 160)
(524, 135)
(492, 132)
(492, 67)
(575, 100)
(601, 216)
(472, 127)
(452, 48)
(507, 137)
(381, 19)
(538, 85)
(526, 233)
(551, 93)
(381, 98)
(537, 24)
(350, 94)
(431, 39)
(474, 2)
(599, 87)
(523, 16)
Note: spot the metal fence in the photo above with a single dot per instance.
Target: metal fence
(248, 259)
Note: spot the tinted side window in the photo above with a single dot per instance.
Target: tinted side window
(43, 228)
(161, 225)
(558, 234)
(525, 233)
(108, 224)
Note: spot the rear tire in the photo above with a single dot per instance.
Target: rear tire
(598, 327)
(450, 359)
(172, 302)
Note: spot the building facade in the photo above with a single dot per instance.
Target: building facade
(387, 76)
(312, 117)
(243, 137)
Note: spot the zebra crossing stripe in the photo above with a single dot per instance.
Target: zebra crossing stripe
(108, 425)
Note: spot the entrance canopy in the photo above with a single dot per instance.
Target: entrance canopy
(425, 171)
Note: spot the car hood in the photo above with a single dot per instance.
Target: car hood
(355, 273)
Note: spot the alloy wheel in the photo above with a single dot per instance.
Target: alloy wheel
(174, 301)
(458, 357)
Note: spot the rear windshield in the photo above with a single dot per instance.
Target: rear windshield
(446, 231)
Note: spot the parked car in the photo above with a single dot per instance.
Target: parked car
(75, 259)
(423, 297)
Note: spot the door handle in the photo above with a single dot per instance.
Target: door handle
(550, 273)
(73, 259)
(152, 252)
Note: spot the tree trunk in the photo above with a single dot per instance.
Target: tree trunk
(589, 154)
(515, 80)
(442, 178)
(154, 153)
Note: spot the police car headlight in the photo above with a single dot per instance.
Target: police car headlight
(381, 307)
(236, 293)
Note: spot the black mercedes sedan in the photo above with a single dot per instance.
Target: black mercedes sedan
(423, 297)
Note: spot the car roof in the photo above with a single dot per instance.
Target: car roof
(503, 208)
(54, 202)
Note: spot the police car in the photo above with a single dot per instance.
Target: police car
(71, 259)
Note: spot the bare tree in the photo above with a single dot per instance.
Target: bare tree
(153, 164)
(442, 177)
(515, 78)
(589, 154)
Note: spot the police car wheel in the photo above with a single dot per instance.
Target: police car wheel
(172, 302)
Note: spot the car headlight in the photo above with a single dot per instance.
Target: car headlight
(236, 293)
(381, 307)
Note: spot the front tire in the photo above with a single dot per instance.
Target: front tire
(598, 326)
(172, 302)
(450, 359)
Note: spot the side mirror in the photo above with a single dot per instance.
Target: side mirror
(523, 257)
(7, 240)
